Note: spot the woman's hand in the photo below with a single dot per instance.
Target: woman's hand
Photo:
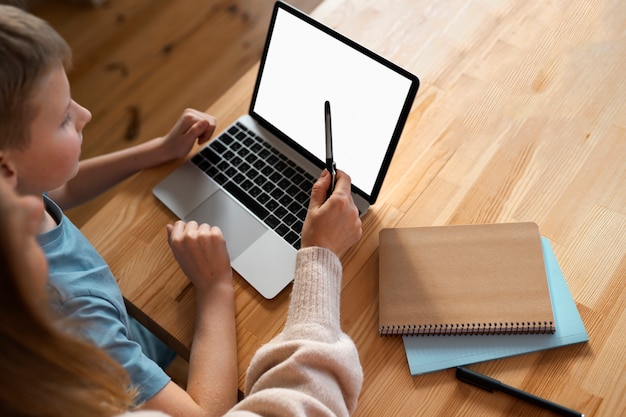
(332, 223)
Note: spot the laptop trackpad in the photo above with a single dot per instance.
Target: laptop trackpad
(239, 227)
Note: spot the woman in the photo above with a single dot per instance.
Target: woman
(310, 368)
(44, 371)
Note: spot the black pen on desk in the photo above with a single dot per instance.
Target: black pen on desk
(330, 159)
(491, 385)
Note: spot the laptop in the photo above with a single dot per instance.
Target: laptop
(253, 180)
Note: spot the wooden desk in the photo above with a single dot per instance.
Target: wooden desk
(521, 116)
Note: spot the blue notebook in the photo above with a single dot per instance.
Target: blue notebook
(434, 353)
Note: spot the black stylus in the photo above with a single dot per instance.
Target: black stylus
(491, 385)
(330, 158)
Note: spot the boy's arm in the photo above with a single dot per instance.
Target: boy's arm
(212, 381)
(98, 174)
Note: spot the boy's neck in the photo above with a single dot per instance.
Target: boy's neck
(47, 222)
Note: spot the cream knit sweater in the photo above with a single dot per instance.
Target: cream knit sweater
(311, 368)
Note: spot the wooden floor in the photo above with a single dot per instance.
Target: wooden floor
(138, 64)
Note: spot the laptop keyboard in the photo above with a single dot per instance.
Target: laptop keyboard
(262, 178)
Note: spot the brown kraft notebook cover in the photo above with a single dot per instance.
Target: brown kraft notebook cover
(466, 279)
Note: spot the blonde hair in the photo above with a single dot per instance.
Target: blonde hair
(44, 371)
(29, 48)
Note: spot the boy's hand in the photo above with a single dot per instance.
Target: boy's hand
(191, 125)
(201, 252)
(332, 223)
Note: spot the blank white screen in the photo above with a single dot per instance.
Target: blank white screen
(305, 67)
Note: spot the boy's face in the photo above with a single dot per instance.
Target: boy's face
(51, 159)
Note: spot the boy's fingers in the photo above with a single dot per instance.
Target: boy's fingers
(202, 130)
(174, 230)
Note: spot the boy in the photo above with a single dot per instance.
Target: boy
(40, 139)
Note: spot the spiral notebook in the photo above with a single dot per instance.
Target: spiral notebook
(465, 279)
(429, 354)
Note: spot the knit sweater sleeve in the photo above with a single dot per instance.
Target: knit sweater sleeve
(311, 367)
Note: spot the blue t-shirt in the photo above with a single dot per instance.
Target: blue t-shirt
(89, 294)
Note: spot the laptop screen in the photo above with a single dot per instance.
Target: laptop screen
(305, 64)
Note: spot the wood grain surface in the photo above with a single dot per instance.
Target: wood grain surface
(521, 116)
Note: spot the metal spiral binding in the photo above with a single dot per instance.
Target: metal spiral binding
(467, 329)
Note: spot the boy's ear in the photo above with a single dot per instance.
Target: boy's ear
(7, 170)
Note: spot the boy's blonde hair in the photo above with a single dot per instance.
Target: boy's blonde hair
(29, 48)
